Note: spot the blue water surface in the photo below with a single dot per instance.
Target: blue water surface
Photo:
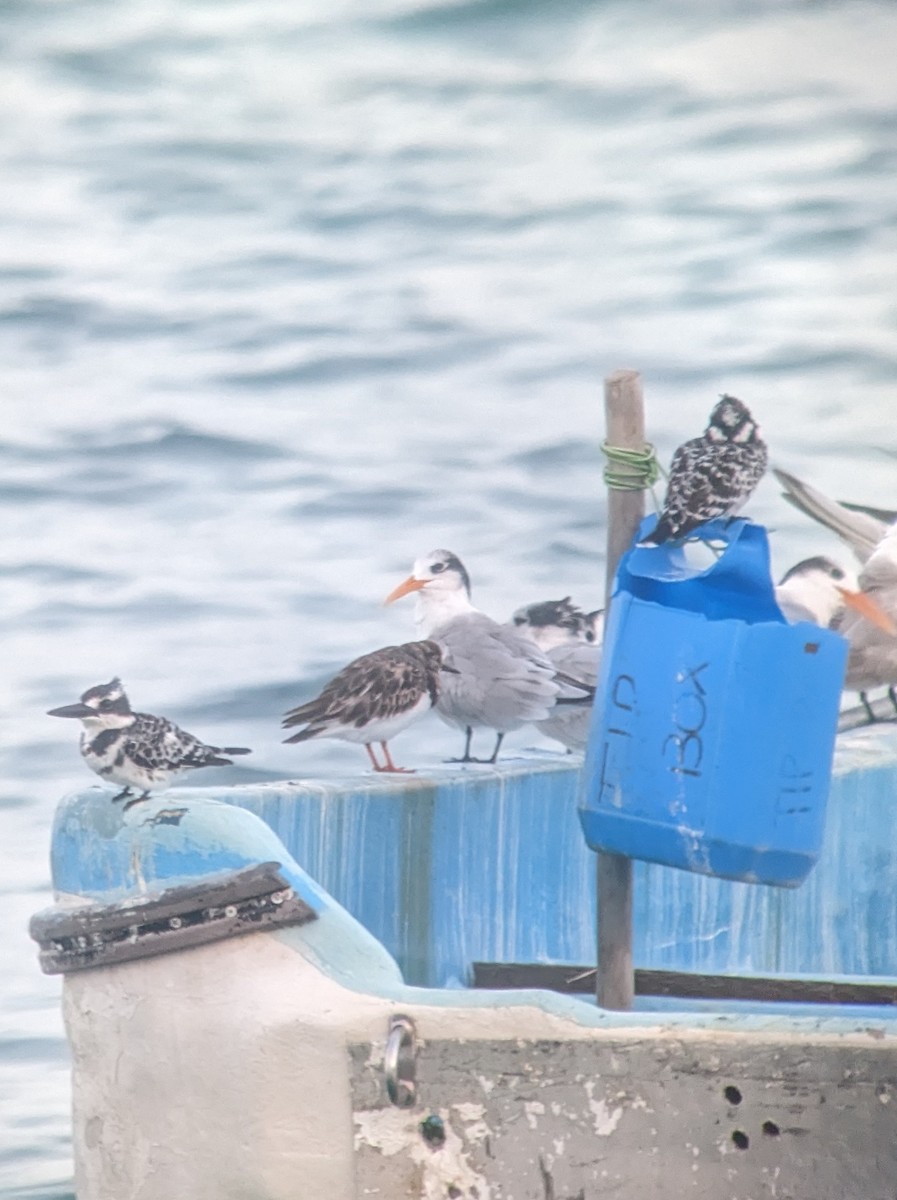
(291, 294)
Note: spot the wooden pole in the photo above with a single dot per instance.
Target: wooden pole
(624, 409)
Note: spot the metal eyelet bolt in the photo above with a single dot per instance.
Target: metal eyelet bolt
(398, 1062)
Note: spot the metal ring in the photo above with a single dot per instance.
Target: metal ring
(398, 1062)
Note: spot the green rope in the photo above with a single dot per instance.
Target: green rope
(630, 470)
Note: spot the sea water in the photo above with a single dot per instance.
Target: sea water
(292, 293)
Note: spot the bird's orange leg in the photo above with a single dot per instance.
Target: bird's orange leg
(391, 766)
(372, 757)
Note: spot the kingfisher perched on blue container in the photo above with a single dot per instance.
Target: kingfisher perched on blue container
(137, 750)
(712, 475)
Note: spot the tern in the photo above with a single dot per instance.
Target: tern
(870, 620)
(813, 590)
(556, 622)
(870, 624)
(503, 681)
(861, 528)
(571, 639)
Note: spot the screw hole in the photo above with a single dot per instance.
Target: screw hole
(771, 1129)
(432, 1130)
(741, 1140)
(732, 1094)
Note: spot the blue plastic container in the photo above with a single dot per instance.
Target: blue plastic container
(712, 750)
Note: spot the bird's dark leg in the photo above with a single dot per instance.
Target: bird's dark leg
(372, 757)
(391, 766)
(465, 757)
(868, 707)
(893, 696)
(122, 795)
(498, 742)
(136, 800)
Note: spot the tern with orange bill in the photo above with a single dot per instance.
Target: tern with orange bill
(870, 624)
(503, 681)
(870, 619)
(813, 590)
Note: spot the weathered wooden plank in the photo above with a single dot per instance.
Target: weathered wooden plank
(688, 985)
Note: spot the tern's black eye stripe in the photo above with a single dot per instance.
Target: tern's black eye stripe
(437, 567)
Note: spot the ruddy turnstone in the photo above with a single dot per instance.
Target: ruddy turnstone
(374, 698)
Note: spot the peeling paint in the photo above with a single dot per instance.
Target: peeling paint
(470, 1112)
(533, 1109)
(680, 1126)
(606, 1118)
(443, 1172)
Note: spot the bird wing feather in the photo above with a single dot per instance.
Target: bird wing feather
(860, 530)
(503, 681)
(376, 686)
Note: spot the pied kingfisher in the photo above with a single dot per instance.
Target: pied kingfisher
(712, 475)
(136, 750)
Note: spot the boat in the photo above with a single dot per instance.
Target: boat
(373, 986)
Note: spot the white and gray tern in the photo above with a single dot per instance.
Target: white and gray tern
(500, 680)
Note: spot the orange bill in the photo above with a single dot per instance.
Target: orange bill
(410, 585)
(863, 603)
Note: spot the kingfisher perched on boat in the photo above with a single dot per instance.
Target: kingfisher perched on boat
(137, 750)
(712, 475)
(374, 698)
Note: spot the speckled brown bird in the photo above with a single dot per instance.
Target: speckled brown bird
(374, 698)
(712, 475)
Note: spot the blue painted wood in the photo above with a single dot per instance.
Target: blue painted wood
(113, 857)
(490, 864)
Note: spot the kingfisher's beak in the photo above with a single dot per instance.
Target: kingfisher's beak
(72, 710)
(410, 585)
(863, 603)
